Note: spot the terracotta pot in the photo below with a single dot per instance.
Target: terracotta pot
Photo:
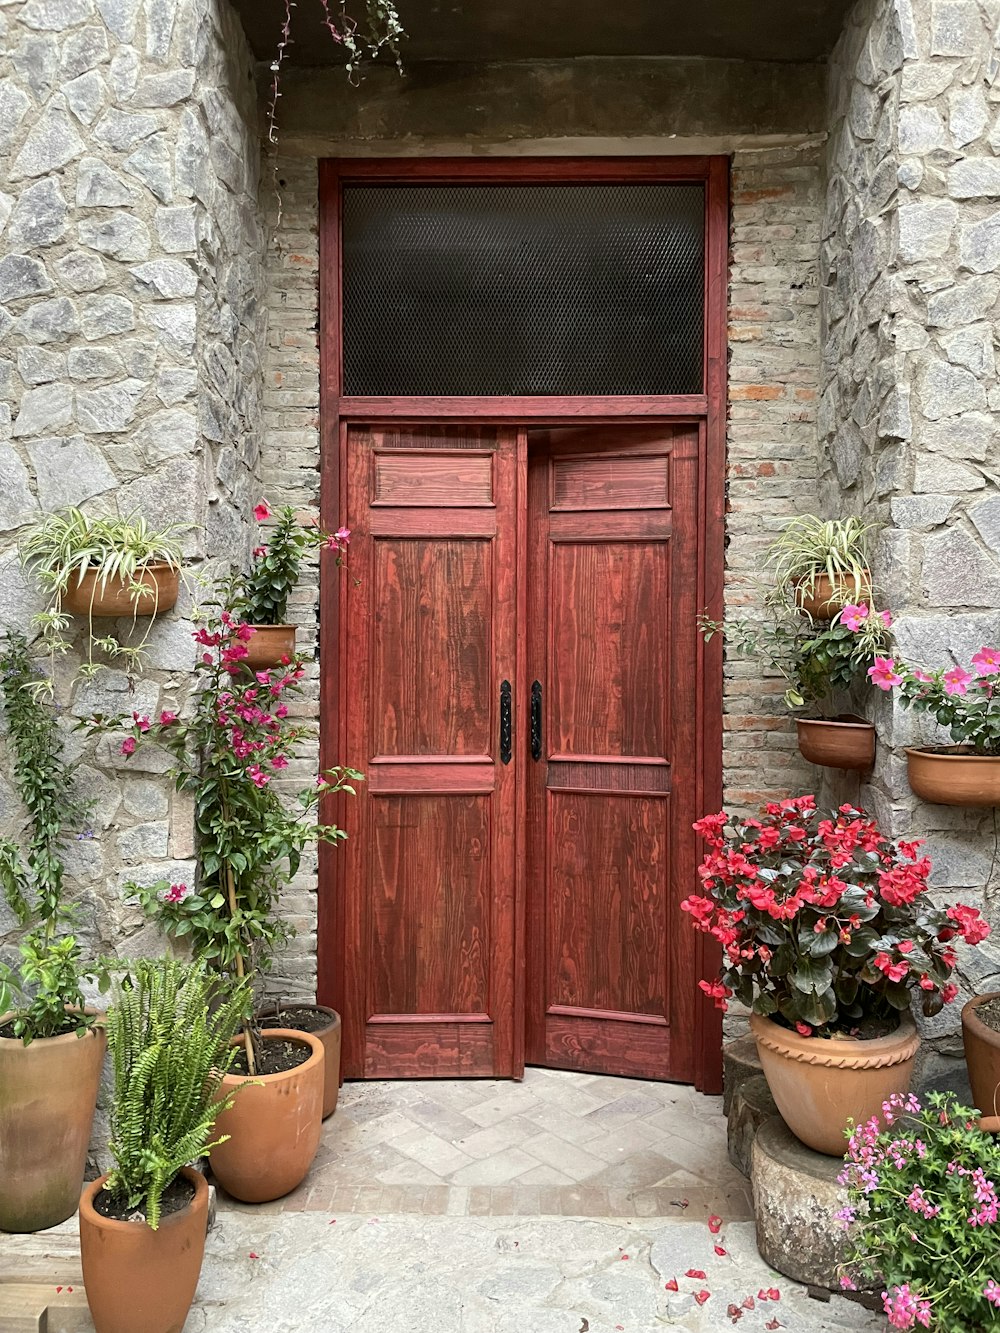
(827, 596)
(329, 1034)
(841, 742)
(982, 1055)
(274, 1126)
(139, 1280)
(113, 598)
(819, 1084)
(949, 777)
(269, 645)
(48, 1091)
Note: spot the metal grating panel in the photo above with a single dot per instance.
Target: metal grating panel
(523, 290)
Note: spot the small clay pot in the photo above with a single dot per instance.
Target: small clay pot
(329, 1034)
(91, 597)
(48, 1091)
(270, 643)
(820, 1083)
(951, 777)
(842, 742)
(826, 596)
(274, 1125)
(139, 1280)
(982, 1055)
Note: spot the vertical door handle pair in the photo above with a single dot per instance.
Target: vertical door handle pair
(506, 726)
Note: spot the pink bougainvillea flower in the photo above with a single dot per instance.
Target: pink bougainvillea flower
(774, 1323)
(956, 681)
(167, 718)
(176, 893)
(279, 761)
(884, 673)
(987, 661)
(854, 617)
(244, 632)
(261, 511)
(257, 777)
(128, 745)
(142, 722)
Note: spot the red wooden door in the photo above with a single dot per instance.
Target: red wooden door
(429, 909)
(612, 656)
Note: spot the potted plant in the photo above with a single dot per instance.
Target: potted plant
(143, 1224)
(827, 927)
(981, 1037)
(324, 1023)
(968, 703)
(921, 1214)
(90, 566)
(822, 565)
(51, 1045)
(227, 755)
(816, 663)
(261, 596)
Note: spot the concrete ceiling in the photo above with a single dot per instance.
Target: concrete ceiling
(511, 30)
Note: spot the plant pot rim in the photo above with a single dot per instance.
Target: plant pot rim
(839, 1048)
(947, 755)
(846, 720)
(150, 566)
(94, 1187)
(300, 1004)
(100, 1020)
(970, 1017)
(277, 1034)
(266, 624)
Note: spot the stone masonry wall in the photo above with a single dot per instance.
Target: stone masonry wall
(130, 371)
(911, 280)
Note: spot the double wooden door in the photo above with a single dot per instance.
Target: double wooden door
(522, 693)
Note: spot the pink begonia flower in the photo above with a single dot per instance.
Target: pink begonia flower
(261, 511)
(956, 681)
(884, 673)
(987, 661)
(176, 893)
(854, 617)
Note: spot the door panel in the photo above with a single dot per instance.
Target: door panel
(429, 915)
(612, 642)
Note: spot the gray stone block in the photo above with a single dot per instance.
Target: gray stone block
(109, 409)
(752, 1106)
(97, 186)
(81, 271)
(740, 1061)
(20, 275)
(44, 410)
(86, 96)
(49, 321)
(17, 505)
(83, 51)
(51, 143)
(40, 216)
(121, 236)
(69, 471)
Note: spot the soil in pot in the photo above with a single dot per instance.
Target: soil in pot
(989, 1013)
(325, 1024)
(138, 1280)
(276, 1057)
(176, 1196)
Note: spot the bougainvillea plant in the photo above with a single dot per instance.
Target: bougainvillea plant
(921, 1215)
(227, 756)
(824, 922)
(967, 702)
(260, 597)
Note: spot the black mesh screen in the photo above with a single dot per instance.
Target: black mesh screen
(512, 290)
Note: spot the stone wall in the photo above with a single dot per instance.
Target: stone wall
(130, 370)
(911, 279)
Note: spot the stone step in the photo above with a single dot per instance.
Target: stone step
(739, 1062)
(752, 1106)
(34, 1308)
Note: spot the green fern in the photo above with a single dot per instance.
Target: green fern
(169, 1030)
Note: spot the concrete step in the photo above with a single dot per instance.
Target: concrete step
(27, 1307)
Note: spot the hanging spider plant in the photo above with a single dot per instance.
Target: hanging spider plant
(810, 549)
(111, 566)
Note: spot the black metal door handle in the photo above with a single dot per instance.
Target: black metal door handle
(505, 722)
(536, 720)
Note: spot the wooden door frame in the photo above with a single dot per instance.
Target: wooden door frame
(706, 410)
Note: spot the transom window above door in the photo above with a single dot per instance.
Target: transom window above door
(521, 290)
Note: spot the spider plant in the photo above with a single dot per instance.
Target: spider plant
(809, 547)
(68, 545)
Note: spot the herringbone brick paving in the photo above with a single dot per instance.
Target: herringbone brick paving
(559, 1143)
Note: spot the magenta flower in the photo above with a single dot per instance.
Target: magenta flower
(854, 617)
(886, 617)
(279, 761)
(956, 681)
(167, 718)
(257, 777)
(904, 1308)
(261, 511)
(884, 673)
(987, 661)
(141, 722)
(176, 893)
(128, 746)
(992, 1292)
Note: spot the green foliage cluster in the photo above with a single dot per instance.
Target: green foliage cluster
(260, 596)
(809, 547)
(170, 1028)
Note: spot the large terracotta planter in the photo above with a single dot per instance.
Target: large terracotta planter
(274, 1126)
(270, 643)
(48, 1091)
(949, 777)
(139, 1280)
(842, 742)
(114, 598)
(826, 596)
(982, 1055)
(820, 1083)
(329, 1034)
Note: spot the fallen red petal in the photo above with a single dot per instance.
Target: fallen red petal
(624, 1256)
(715, 1225)
(671, 1285)
(58, 1289)
(774, 1294)
(720, 1251)
(254, 1256)
(69, 1288)
(735, 1313)
(762, 1295)
(749, 1303)
(695, 1272)
(773, 1324)
(702, 1296)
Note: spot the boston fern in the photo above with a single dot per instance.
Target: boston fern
(262, 593)
(170, 1028)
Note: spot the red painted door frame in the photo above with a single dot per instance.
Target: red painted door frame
(707, 411)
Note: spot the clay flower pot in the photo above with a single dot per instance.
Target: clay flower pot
(842, 742)
(820, 1083)
(139, 1280)
(270, 643)
(274, 1126)
(951, 777)
(90, 597)
(327, 1027)
(982, 1055)
(48, 1091)
(827, 596)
